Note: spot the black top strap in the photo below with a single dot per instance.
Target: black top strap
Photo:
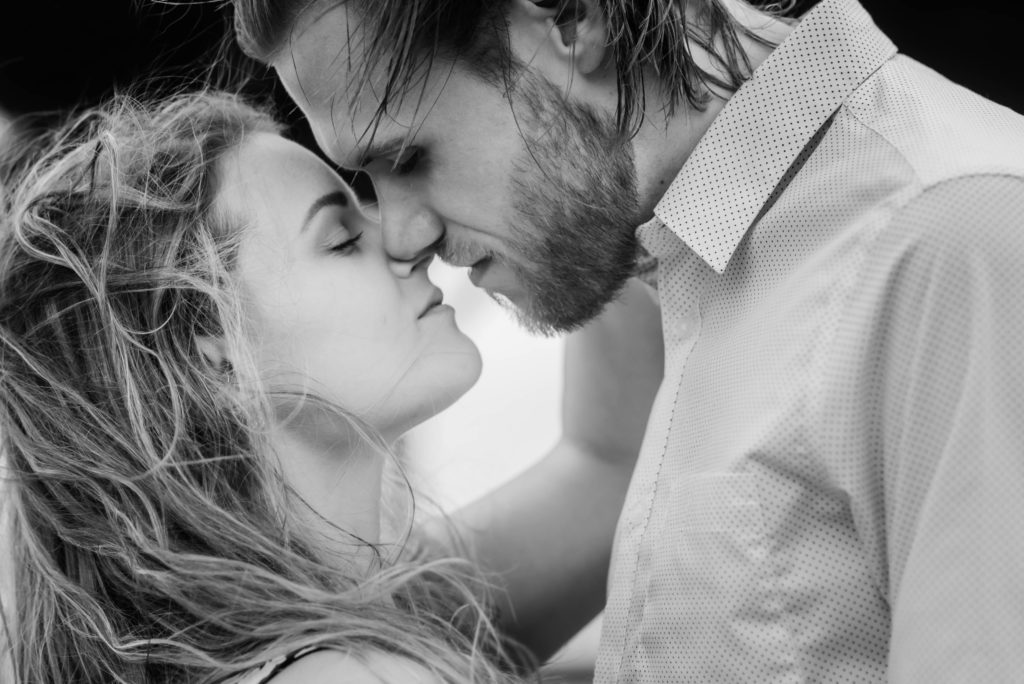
(288, 660)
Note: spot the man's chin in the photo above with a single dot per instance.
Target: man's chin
(503, 285)
(524, 315)
(534, 319)
(547, 306)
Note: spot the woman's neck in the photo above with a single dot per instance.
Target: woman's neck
(339, 482)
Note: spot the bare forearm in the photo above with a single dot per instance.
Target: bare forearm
(547, 536)
(548, 533)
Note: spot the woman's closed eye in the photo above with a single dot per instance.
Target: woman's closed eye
(348, 246)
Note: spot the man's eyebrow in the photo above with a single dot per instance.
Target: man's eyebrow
(379, 148)
(337, 198)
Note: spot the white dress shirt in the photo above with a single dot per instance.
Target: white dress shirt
(831, 488)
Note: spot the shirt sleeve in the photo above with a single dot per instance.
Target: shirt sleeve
(951, 432)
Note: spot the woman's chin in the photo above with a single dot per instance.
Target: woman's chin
(439, 395)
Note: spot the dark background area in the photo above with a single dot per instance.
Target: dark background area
(59, 54)
(55, 54)
(975, 44)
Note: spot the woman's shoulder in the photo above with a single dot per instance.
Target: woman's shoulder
(328, 666)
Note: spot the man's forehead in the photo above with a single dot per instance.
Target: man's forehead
(334, 130)
(323, 68)
(320, 57)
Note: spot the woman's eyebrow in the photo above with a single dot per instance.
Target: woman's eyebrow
(337, 198)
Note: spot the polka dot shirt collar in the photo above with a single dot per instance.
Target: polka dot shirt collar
(728, 179)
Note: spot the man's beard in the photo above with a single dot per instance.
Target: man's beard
(577, 207)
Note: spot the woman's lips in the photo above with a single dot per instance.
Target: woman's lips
(436, 299)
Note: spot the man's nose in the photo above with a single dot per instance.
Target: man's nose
(411, 229)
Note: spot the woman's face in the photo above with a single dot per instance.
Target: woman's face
(331, 314)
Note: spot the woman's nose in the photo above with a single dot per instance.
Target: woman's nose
(405, 268)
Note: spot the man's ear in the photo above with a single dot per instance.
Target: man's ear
(213, 350)
(567, 36)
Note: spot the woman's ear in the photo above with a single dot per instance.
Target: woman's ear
(567, 36)
(214, 350)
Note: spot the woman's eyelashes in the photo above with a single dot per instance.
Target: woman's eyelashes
(348, 246)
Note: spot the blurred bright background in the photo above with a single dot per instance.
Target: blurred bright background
(504, 424)
(507, 421)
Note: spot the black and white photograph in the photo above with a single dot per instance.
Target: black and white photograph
(511, 342)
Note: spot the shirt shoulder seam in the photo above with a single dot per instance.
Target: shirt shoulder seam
(923, 186)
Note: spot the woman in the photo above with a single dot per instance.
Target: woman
(206, 355)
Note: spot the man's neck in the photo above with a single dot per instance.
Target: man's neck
(665, 140)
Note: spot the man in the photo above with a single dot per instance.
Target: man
(832, 480)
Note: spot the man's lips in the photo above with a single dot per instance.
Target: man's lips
(478, 270)
(496, 278)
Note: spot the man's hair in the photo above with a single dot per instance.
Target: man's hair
(406, 35)
(151, 530)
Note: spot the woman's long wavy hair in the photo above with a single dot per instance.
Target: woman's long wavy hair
(149, 524)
